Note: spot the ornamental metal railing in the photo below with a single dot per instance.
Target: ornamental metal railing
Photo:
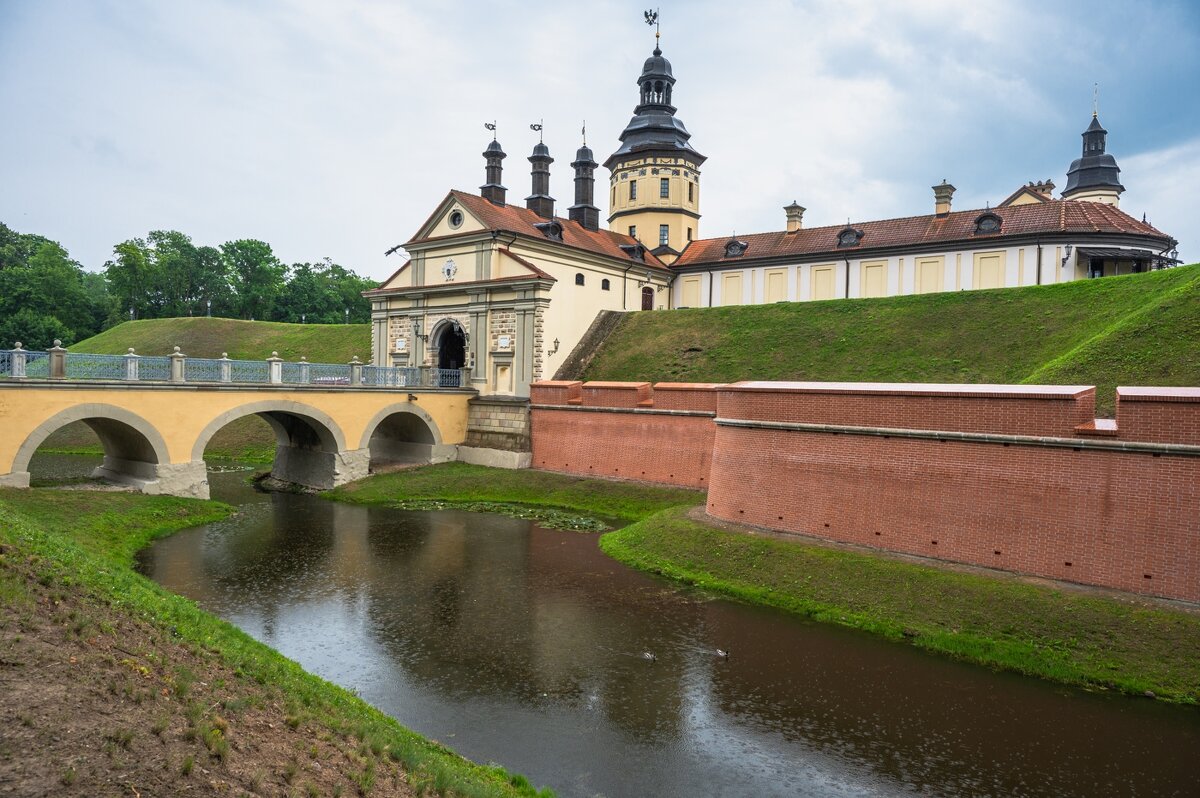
(59, 364)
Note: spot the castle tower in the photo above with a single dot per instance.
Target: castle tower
(584, 210)
(492, 190)
(1095, 175)
(655, 184)
(540, 201)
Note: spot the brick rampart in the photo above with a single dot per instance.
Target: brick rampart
(1021, 478)
(625, 430)
(931, 473)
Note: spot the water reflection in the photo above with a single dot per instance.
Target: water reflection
(524, 646)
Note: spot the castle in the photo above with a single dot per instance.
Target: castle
(506, 290)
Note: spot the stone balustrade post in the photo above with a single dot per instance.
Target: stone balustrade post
(131, 365)
(356, 371)
(226, 368)
(178, 359)
(425, 376)
(58, 361)
(17, 369)
(305, 371)
(464, 378)
(275, 369)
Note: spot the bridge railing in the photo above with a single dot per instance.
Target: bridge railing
(59, 364)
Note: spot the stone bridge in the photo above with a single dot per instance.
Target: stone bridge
(154, 434)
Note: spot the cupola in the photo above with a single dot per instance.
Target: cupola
(1094, 175)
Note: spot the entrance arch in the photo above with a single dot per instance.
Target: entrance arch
(310, 448)
(451, 344)
(403, 433)
(133, 448)
(647, 298)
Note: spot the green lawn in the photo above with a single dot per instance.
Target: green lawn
(242, 340)
(1134, 330)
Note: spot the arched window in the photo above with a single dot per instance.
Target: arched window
(605, 285)
(578, 278)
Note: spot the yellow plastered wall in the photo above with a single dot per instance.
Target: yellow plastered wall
(683, 184)
(989, 269)
(930, 274)
(690, 292)
(731, 288)
(873, 279)
(822, 281)
(775, 285)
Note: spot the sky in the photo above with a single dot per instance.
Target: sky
(333, 129)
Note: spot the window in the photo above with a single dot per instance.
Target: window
(664, 234)
(689, 234)
(633, 189)
(633, 231)
(664, 187)
(735, 248)
(578, 278)
(988, 223)
(849, 237)
(691, 192)
(605, 285)
(456, 219)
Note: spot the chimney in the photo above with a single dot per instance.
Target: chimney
(942, 193)
(540, 201)
(1045, 187)
(795, 216)
(492, 191)
(584, 211)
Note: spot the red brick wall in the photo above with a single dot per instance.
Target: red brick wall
(1123, 519)
(1166, 415)
(635, 443)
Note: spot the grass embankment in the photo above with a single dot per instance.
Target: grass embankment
(1134, 330)
(116, 686)
(242, 340)
(1074, 637)
(250, 438)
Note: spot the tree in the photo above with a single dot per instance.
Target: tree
(44, 294)
(320, 293)
(256, 275)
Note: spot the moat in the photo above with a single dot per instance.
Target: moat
(526, 647)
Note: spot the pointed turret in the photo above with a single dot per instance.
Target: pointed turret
(584, 210)
(1095, 175)
(492, 191)
(540, 201)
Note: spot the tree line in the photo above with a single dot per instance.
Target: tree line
(45, 294)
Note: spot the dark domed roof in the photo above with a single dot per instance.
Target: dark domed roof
(657, 66)
(584, 153)
(540, 150)
(494, 147)
(1096, 168)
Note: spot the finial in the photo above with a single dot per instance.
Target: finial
(538, 128)
(492, 127)
(652, 19)
(583, 132)
(1095, 100)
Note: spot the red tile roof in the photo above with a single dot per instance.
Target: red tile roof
(1053, 216)
(517, 219)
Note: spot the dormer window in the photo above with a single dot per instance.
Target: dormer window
(635, 251)
(849, 237)
(735, 248)
(551, 229)
(988, 223)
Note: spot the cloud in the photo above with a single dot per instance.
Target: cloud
(1163, 184)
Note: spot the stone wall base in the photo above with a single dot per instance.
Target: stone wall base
(498, 422)
(494, 458)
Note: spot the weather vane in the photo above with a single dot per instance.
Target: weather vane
(492, 127)
(1095, 100)
(583, 132)
(652, 19)
(538, 128)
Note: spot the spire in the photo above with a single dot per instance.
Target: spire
(540, 201)
(1095, 174)
(492, 190)
(584, 210)
(654, 127)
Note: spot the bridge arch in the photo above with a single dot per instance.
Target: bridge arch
(404, 433)
(133, 448)
(310, 447)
